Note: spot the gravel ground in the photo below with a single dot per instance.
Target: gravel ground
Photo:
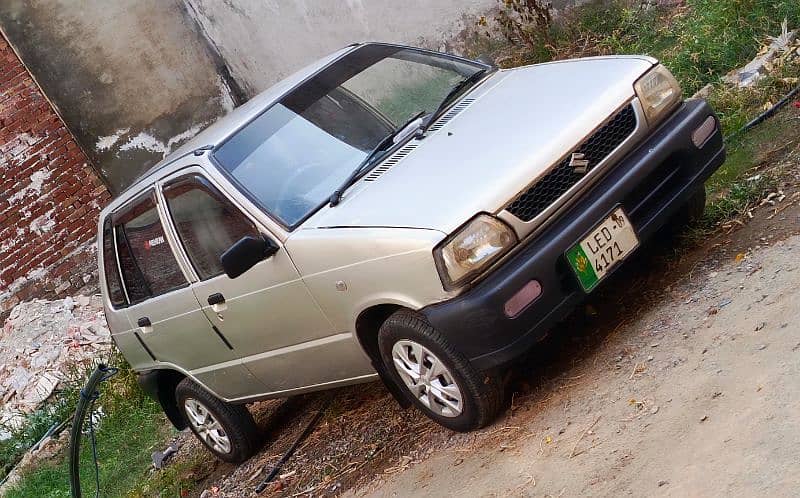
(696, 397)
(682, 384)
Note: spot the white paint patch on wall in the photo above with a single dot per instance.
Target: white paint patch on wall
(43, 223)
(105, 143)
(41, 272)
(180, 138)
(33, 275)
(7, 245)
(34, 188)
(146, 141)
(17, 146)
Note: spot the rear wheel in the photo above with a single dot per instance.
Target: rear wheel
(436, 377)
(227, 430)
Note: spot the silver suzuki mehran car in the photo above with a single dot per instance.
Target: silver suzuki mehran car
(391, 213)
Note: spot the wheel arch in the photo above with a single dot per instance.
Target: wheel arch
(367, 325)
(160, 385)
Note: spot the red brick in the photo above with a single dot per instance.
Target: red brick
(69, 194)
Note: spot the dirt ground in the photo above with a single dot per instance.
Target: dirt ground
(697, 396)
(677, 378)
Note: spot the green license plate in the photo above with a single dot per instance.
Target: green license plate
(605, 246)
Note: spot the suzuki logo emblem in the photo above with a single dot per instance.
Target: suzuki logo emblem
(578, 163)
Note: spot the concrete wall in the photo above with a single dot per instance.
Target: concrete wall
(264, 41)
(132, 78)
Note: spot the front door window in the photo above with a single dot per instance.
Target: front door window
(207, 223)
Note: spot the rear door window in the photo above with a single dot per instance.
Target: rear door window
(207, 223)
(148, 265)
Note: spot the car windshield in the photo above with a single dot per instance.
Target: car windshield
(295, 154)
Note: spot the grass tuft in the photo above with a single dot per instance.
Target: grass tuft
(132, 427)
(699, 42)
(739, 197)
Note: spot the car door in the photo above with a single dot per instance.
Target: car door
(267, 315)
(172, 326)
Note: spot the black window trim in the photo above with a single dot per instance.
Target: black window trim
(118, 265)
(110, 221)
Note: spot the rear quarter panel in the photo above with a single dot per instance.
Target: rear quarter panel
(120, 326)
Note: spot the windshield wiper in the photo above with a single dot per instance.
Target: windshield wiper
(455, 91)
(413, 125)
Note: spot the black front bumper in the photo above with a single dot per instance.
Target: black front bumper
(651, 183)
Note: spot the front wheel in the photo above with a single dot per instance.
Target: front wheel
(436, 377)
(227, 430)
(690, 213)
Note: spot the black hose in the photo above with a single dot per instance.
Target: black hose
(766, 114)
(308, 430)
(89, 395)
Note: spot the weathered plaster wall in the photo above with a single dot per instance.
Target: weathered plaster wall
(49, 195)
(132, 78)
(265, 40)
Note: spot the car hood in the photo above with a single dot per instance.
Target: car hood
(510, 130)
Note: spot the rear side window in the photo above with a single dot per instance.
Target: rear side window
(115, 293)
(148, 265)
(207, 223)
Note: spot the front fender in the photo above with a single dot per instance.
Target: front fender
(349, 270)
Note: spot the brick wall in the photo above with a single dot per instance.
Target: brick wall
(50, 196)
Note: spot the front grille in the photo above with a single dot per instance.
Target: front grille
(554, 184)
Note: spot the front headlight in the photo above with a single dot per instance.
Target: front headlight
(472, 248)
(659, 92)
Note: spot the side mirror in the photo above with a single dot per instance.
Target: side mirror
(246, 253)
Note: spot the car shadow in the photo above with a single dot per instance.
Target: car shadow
(629, 292)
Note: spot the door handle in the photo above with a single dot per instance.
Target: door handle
(217, 302)
(145, 325)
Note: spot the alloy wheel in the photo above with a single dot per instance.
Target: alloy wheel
(206, 426)
(428, 379)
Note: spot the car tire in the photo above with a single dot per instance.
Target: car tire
(448, 389)
(691, 212)
(227, 430)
